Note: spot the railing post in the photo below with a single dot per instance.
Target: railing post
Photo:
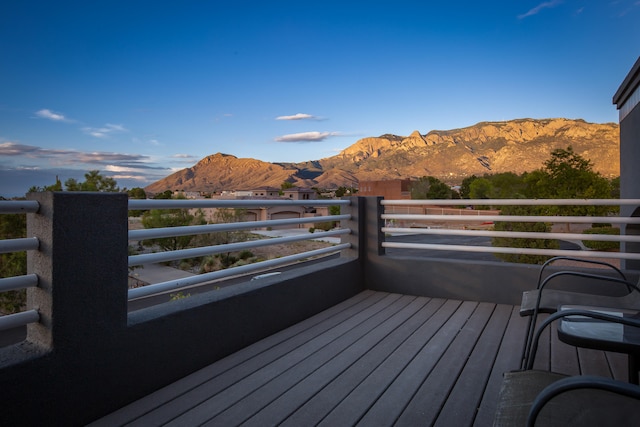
(373, 224)
(356, 237)
(82, 270)
(366, 235)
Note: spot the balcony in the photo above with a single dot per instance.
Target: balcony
(377, 335)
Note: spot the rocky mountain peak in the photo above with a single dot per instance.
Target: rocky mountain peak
(451, 155)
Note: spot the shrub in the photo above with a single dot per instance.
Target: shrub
(599, 245)
(325, 226)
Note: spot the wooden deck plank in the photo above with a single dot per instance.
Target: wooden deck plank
(291, 399)
(376, 359)
(543, 355)
(360, 339)
(253, 366)
(392, 402)
(564, 357)
(462, 404)
(363, 395)
(619, 365)
(507, 359)
(164, 395)
(426, 404)
(593, 362)
(217, 402)
(330, 396)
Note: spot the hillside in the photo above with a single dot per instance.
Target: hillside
(489, 147)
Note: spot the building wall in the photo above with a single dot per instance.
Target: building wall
(392, 189)
(627, 99)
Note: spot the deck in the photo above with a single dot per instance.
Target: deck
(375, 359)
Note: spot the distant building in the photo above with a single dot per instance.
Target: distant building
(299, 193)
(392, 189)
(266, 192)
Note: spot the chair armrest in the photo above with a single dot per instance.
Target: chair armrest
(560, 314)
(630, 285)
(581, 260)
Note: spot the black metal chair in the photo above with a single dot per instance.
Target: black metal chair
(533, 396)
(548, 300)
(552, 298)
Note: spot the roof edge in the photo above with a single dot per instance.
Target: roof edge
(628, 85)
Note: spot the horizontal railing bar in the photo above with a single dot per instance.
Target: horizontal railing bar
(504, 250)
(18, 245)
(156, 233)
(16, 320)
(514, 234)
(157, 257)
(18, 206)
(516, 218)
(135, 204)
(18, 282)
(177, 284)
(514, 202)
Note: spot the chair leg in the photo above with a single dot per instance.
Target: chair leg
(527, 344)
(633, 369)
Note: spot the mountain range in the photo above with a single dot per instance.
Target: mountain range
(517, 146)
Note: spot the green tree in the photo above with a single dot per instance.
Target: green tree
(167, 194)
(94, 181)
(158, 218)
(140, 194)
(137, 193)
(566, 175)
(13, 226)
(480, 188)
(465, 187)
(227, 216)
(615, 188)
(506, 185)
(54, 187)
(341, 191)
(511, 242)
(285, 186)
(429, 187)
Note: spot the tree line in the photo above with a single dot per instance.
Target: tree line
(565, 175)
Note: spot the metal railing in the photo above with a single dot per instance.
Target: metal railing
(453, 224)
(10, 321)
(32, 243)
(178, 284)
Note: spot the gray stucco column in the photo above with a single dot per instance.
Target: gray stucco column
(627, 99)
(82, 270)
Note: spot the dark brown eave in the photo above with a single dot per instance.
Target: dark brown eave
(630, 83)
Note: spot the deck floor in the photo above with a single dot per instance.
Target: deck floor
(375, 359)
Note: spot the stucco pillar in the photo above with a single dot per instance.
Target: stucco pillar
(82, 270)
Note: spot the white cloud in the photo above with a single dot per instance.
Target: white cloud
(307, 136)
(539, 8)
(298, 116)
(103, 132)
(48, 114)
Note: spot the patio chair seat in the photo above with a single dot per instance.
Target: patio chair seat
(566, 401)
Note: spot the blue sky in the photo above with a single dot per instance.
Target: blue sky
(140, 89)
